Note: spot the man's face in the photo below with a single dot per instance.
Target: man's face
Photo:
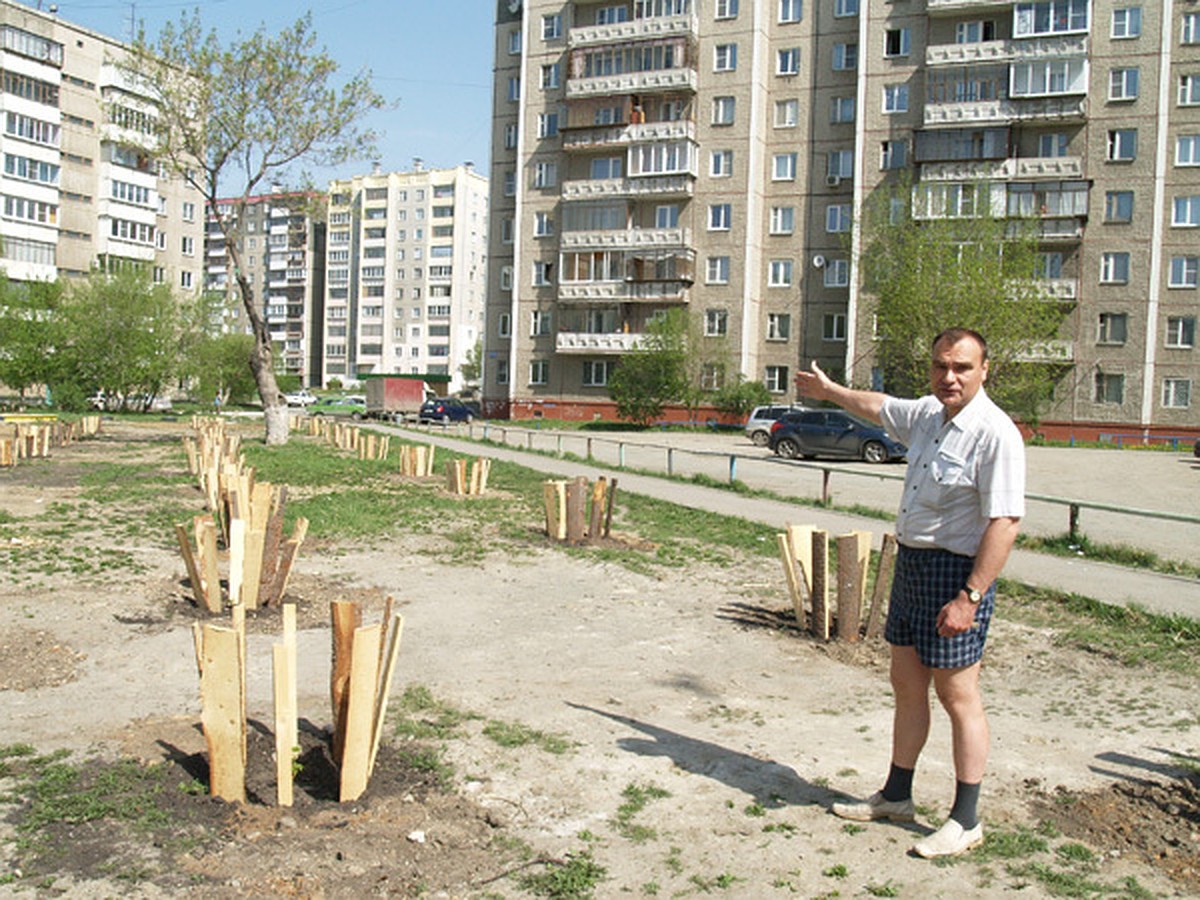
(956, 373)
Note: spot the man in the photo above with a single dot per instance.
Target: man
(964, 495)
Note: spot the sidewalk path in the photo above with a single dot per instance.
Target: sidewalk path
(1166, 594)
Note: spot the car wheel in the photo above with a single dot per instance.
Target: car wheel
(787, 448)
(874, 452)
(469, 419)
(356, 415)
(760, 439)
(445, 421)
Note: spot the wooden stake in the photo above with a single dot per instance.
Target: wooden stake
(395, 627)
(283, 746)
(820, 584)
(576, 509)
(800, 537)
(222, 696)
(360, 711)
(612, 496)
(347, 616)
(271, 547)
(854, 557)
(596, 518)
(883, 585)
(237, 558)
(207, 544)
(288, 559)
(554, 495)
(189, 560)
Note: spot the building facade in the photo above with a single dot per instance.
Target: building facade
(405, 265)
(76, 194)
(714, 155)
(281, 239)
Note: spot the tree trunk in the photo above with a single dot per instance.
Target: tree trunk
(262, 364)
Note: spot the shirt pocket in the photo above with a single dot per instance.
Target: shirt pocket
(948, 470)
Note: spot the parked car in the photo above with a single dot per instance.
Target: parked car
(355, 407)
(758, 426)
(302, 397)
(444, 410)
(833, 433)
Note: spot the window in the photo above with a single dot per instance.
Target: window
(545, 174)
(721, 163)
(720, 217)
(1122, 145)
(543, 224)
(1050, 17)
(610, 15)
(510, 136)
(845, 57)
(837, 273)
(841, 110)
(974, 32)
(607, 167)
(787, 62)
(1048, 78)
(189, 211)
(1118, 206)
(187, 246)
(547, 125)
(711, 376)
(502, 371)
(1052, 145)
(539, 323)
(723, 110)
(514, 90)
(551, 27)
(1112, 328)
(514, 42)
(1181, 331)
(1187, 150)
(791, 10)
(893, 155)
(1184, 271)
(780, 273)
(833, 327)
(542, 273)
(1123, 84)
(895, 98)
(1048, 265)
(838, 218)
(783, 167)
(725, 57)
(717, 270)
(1189, 90)
(783, 219)
(716, 322)
(726, 9)
(506, 278)
(510, 184)
(1126, 22)
(1189, 32)
(549, 77)
(185, 280)
(1110, 388)
(504, 325)
(787, 113)
(779, 326)
(666, 216)
(1186, 212)
(840, 164)
(842, 8)
(1177, 393)
(776, 379)
(596, 372)
(897, 42)
(1114, 268)
(539, 371)
(506, 230)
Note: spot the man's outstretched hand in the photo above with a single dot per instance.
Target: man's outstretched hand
(814, 384)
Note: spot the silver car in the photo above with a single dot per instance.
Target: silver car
(758, 426)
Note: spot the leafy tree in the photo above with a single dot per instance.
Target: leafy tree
(29, 332)
(655, 373)
(118, 333)
(245, 114)
(737, 398)
(223, 368)
(472, 369)
(977, 272)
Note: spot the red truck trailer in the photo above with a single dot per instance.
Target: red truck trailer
(399, 397)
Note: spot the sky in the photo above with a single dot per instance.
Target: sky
(431, 59)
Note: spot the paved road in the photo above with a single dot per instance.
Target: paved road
(1166, 481)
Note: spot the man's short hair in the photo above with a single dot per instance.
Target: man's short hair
(954, 335)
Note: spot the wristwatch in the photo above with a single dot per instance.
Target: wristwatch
(973, 595)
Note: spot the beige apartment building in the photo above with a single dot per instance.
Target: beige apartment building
(405, 270)
(713, 155)
(75, 193)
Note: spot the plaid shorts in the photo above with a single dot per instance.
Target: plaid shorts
(925, 581)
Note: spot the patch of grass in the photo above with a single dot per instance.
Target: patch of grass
(755, 810)
(1075, 853)
(430, 760)
(852, 828)
(514, 734)
(637, 798)
(1013, 843)
(722, 882)
(784, 828)
(838, 870)
(419, 715)
(574, 878)
(1120, 554)
(1057, 882)
(887, 889)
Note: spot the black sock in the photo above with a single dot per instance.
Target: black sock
(899, 784)
(966, 799)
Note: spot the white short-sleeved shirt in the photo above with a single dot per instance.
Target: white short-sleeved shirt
(961, 473)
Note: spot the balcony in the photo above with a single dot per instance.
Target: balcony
(999, 112)
(592, 344)
(1059, 288)
(960, 6)
(618, 135)
(606, 188)
(629, 291)
(633, 238)
(636, 30)
(1048, 352)
(1026, 169)
(655, 81)
(983, 52)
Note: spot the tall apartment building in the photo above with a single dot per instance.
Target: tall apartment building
(281, 239)
(713, 155)
(406, 266)
(75, 194)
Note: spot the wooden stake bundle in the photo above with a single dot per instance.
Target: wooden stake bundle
(854, 558)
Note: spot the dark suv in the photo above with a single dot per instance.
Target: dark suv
(444, 410)
(831, 432)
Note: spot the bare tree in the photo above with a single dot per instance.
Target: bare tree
(233, 119)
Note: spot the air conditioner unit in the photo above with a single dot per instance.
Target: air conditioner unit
(818, 261)
(833, 180)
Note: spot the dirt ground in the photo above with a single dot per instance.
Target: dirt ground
(705, 735)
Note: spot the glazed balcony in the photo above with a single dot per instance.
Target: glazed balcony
(571, 342)
(649, 186)
(1002, 112)
(1024, 169)
(651, 28)
(965, 6)
(985, 52)
(620, 135)
(658, 291)
(649, 82)
(632, 238)
(1059, 288)
(1048, 352)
